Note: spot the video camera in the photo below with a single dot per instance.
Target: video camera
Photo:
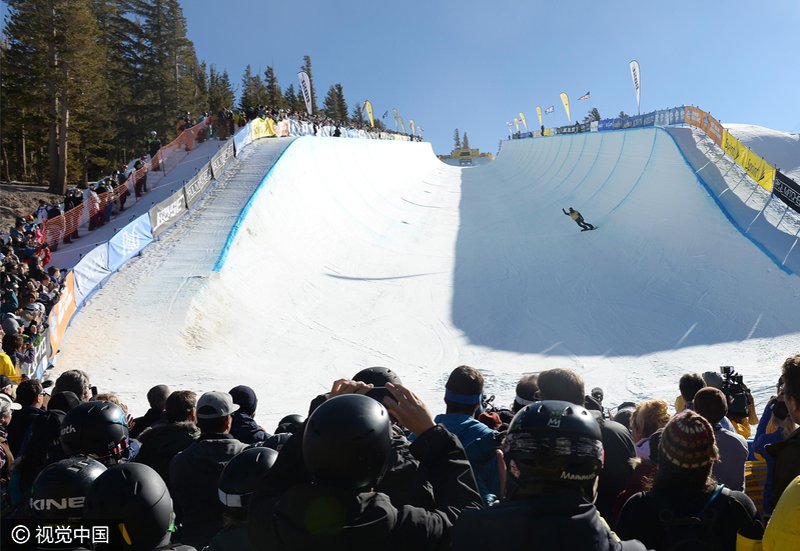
(735, 391)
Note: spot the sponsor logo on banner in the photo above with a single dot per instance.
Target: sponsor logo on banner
(131, 242)
(305, 89)
(197, 185)
(167, 211)
(637, 83)
(787, 190)
(220, 159)
(62, 313)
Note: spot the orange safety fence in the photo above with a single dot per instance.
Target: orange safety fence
(64, 228)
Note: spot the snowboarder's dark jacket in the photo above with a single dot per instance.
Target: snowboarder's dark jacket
(312, 516)
(194, 476)
(552, 521)
(245, 429)
(161, 443)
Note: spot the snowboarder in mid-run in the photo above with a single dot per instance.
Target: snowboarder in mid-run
(575, 215)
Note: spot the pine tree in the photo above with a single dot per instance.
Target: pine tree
(275, 98)
(341, 105)
(359, 118)
(307, 69)
(465, 142)
(220, 93)
(456, 140)
(253, 91)
(593, 115)
(335, 106)
(54, 67)
(290, 99)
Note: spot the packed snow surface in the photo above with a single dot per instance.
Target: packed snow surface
(361, 252)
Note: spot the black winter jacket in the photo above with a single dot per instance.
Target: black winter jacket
(552, 522)
(161, 443)
(194, 476)
(312, 516)
(245, 429)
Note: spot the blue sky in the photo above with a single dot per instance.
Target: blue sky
(474, 65)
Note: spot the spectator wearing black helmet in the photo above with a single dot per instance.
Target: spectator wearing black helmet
(239, 480)
(618, 447)
(159, 444)
(96, 429)
(194, 472)
(134, 502)
(346, 443)
(553, 454)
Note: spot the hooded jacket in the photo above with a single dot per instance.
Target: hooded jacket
(194, 476)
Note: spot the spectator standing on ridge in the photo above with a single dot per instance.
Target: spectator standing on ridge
(728, 468)
(567, 385)
(194, 472)
(553, 454)
(157, 398)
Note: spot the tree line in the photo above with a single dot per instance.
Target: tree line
(84, 82)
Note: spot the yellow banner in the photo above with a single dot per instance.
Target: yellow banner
(368, 108)
(411, 124)
(539, 113)
(403, 126)
(522, 118)
(733, 147)
(756, 167)
(759, 170)
(565, 101)
(262, 128)
(516, 123)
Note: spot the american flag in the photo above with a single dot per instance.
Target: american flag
(587, 95)
(549, 109)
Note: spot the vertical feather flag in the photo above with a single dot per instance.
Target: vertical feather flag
(565, 101)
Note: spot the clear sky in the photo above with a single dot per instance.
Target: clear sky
(475, 65)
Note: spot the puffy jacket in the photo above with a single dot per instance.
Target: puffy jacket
(161, 443)
(349, 520)
(783, 530)
(194, 474)
(552, 522)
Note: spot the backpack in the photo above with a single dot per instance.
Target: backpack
(696, 532)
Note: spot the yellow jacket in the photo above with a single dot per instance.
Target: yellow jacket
(7, 368)
(783, 530)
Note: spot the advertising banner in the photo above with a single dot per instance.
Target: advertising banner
(262, 128)
(368, 109)
(522, 118)
(733, 147)
(565, 102)
(787, 190)
(709, 125)
(195, 187)
(305, 90)
(242, 139)
(221, 158)
(609, 124)
(759, 170)
(90, 272)
(167, 212)
(129, 241)
(539, 114)
(62, 313)
(637, 83)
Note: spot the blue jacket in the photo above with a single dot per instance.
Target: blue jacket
(480, 444)
(245, 429)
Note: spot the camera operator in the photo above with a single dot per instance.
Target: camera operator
(786, 453)
(741, 408)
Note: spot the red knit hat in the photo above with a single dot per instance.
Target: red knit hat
(688, 442)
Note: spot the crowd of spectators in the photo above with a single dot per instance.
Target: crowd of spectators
(369, 467)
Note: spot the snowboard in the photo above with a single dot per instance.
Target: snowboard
(594, 228)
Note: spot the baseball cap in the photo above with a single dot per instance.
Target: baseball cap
(5, 381)
(215, 404)
(7, 403)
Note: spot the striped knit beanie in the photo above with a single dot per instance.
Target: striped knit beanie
(687, 442)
